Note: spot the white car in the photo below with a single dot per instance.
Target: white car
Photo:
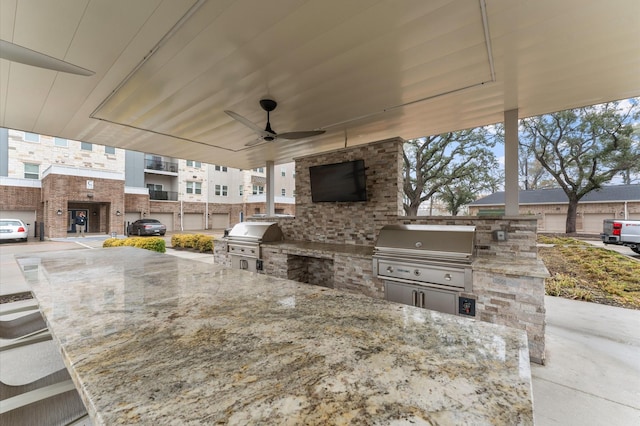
(13, 229)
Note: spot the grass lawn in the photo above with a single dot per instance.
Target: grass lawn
(581, 271)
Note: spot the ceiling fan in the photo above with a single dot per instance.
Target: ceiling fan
(268, 134)
(16, 53)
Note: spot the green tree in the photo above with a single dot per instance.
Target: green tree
(584, 148)
(532, 174)
(444, 165)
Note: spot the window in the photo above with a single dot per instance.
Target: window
(222, 190)
(294, 193)
(283, 172)
(31, 137)
(241, 190)
(259, 170)
(196, 164)
(109, 150)
(31, 171)
(60, 142)
(86, 146)
(194, 188)
(154, 187)
(283, 192)
(221, 168)
(258, 189)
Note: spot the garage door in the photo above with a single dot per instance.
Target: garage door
(131, 217)
(592, 222)
(219, 221)
(27, 216)
(193, 222)
(165, 218)
(555, 223)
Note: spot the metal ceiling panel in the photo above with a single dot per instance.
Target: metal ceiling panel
(363, 70)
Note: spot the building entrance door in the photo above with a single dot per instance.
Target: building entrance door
(71, 220)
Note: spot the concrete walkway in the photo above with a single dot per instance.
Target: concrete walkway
(592, 374)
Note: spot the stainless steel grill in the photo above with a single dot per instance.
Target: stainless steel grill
(243, 243)
(425, 265)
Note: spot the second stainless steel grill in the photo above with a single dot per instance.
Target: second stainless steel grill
(425, 265)
(243, 243)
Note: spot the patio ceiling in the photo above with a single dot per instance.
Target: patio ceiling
(166, 70)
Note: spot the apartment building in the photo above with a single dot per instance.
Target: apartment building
(46, 181)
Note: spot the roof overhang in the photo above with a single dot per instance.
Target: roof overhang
(165, 70)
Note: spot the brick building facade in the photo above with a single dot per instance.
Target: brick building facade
(47, 181)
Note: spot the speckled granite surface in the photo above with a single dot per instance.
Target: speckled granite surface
(155, 339)
(321, 250)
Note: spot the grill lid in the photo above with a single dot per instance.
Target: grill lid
(256, 232)
(421, 242)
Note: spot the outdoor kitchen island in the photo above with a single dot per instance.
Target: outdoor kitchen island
(155, 339)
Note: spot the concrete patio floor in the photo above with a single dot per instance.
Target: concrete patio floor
(592, 371)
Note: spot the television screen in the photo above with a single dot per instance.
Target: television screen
(338, 182)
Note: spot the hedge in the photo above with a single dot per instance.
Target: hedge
(198, 242)
(149, 243)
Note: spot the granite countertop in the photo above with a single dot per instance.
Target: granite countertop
(317, 249)
(156, 339)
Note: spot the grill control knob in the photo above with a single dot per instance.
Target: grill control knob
(416, 272)
(447, 277)
(418, 244)
(390, 269)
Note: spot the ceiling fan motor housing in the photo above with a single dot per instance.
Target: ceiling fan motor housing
(268, 104)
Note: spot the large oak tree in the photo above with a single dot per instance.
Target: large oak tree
(584, 148)
(451, 166)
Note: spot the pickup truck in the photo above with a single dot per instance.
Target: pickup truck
(622, 232)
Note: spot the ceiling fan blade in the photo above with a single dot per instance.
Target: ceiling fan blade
(15, 53)
(300, 135)
(249, 124)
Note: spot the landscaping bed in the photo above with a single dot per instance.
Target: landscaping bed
(583, 272)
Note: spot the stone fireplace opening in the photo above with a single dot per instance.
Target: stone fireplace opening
(310, 270)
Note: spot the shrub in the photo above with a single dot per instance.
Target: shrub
(198, 242)
(205, 243)
(112, 242)
(177, 241)
(150, 243)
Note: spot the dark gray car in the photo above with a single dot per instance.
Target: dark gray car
(147, 227)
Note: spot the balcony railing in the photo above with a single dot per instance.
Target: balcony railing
(165, 166)
(163, 195)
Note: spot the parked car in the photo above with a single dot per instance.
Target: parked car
(13, 229)
(147, 227)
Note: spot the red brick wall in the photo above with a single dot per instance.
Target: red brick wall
(19, 198)
(62, 192)
(136, 203)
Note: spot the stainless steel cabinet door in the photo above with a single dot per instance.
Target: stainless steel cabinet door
(422, 297)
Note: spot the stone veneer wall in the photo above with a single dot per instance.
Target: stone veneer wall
(350, 222)
(508, 297)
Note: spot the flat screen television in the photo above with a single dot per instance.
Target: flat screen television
(338, 182)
